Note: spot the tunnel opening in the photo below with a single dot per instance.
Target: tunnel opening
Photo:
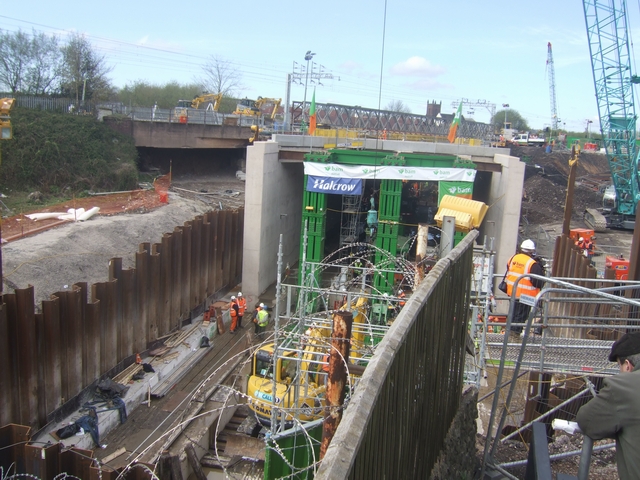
(191, 161)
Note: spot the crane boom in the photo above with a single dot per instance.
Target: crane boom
(608, 36)
(552, 88)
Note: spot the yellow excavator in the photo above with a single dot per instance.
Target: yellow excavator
(300, 388)
(206, 101)
(254, 107)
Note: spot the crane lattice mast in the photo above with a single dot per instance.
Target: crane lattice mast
(552, 88)
(608, 35)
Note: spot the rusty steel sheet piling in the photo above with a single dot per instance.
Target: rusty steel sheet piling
(337, 376)
(185, 287)
(7, 412)
(27, 355)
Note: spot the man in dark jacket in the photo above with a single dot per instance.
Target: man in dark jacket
(615, 411)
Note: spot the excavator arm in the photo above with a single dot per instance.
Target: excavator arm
(212, 99)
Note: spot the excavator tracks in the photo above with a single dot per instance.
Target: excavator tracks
(595, 220)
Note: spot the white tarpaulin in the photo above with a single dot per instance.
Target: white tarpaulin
(387, 172)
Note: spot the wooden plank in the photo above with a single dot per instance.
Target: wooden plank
(194, 462)
(115, 454)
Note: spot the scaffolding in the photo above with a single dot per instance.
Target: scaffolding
(350, 219)
(565, 344)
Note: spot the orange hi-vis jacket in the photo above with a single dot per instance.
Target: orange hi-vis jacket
(232, 311)
(519, 265)
(242, 306)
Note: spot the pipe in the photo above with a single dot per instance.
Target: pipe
(337, 376)
(559, 456)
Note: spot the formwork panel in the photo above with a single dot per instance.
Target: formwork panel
(77, 462)
(186, 278)
(6, 397)
(12, 440)
(105, 291)
(76, 343)
(93, 346)
(156, 299)
(43, 462)
(175, 279)
(130, 318)
(225, 252)
(52, 358)
(195, 260)
(164, 313)
(205, 258)
(115, 273)
(26, 346)
(141, 327)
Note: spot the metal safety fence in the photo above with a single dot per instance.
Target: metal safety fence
(558, 362)
(397, 420)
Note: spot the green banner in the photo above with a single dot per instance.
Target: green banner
(457, 189)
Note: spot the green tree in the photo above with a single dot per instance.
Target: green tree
(516, 120)
(144, 94)
(84, 72)
(15, 51)
(397, 106)
(43, 73)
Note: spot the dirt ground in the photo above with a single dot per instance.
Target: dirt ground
(71, 252)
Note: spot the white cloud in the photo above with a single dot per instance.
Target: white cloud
(417, 67)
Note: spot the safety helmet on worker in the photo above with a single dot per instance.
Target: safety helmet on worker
(233, 297)
(262, 306)
(400, 292)
(528, 246)
(581, 239)
(239, 294)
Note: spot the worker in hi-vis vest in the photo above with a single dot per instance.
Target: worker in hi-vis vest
(522, 263)
(233, 311)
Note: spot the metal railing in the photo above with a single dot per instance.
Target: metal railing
(577, 320)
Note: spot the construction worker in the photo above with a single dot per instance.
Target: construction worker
(234, 308)
(261, 320)
(588, 247)
(402, 296)
(523, 263)
(242, 307)
(580, 243)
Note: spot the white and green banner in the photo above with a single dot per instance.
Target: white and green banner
(388, 172)
(457, 189)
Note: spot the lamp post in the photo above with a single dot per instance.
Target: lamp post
(588, 132)
(505, 106)
(308, 56)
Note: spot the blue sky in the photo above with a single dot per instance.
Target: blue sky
(443, 51)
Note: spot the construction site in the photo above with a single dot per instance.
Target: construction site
(327, 303)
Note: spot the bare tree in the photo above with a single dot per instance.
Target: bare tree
(84, 72)
(220, 76)
(397, 106)
(14, 59)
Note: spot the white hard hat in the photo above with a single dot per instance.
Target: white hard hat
(239, 294)
(262, 305)
(233, 297)
(528, 245)
(581, 239)
(400, 292)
